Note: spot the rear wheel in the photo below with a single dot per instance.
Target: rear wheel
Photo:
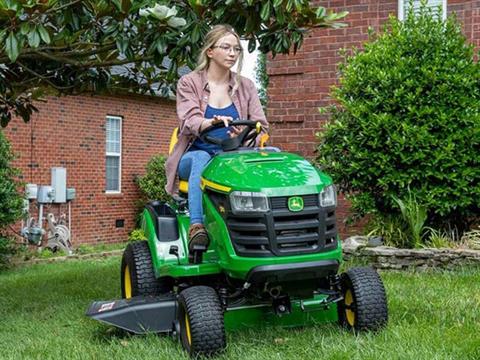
(200, 315)
(137, 275)
(364, 304)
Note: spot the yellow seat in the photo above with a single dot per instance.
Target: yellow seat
(183, 184)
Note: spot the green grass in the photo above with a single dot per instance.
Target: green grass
(24, 253)
(433, 315)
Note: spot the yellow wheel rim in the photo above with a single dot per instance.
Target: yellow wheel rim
(187, 330)
(349, 313)
(127, 283)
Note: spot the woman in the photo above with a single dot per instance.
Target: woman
(209, 95)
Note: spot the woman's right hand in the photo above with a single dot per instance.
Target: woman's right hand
(216, 120)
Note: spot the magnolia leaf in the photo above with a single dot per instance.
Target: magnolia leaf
(161, 46)
(25, 28)
(33, 38)
(265, 11)
(44, 34)
(252, 44)
(12, 47)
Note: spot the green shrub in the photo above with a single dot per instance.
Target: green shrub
(7, 250)
(152, 184)
(408, 117)
(137, 235)
(11, 201)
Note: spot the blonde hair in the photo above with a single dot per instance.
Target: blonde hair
(218, 32)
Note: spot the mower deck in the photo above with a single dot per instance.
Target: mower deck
(158, 314)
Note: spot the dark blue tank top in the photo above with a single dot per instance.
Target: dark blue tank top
(220, 133)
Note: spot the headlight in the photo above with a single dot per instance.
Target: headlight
(243, 201)
(328, 196)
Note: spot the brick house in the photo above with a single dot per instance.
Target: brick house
(105, 142)
(300, 84)
(76, 133)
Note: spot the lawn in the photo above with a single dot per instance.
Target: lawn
(433, 315)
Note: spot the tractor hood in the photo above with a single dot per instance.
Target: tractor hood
(273, 173)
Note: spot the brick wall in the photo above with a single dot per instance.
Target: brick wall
(300, 84)
(70, 132)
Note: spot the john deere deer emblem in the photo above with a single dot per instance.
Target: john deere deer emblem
(295, 203)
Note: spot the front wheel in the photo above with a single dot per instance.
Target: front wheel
(364, 304)
(137, 274)
(200, 315)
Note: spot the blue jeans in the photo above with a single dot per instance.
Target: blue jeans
(191, 167)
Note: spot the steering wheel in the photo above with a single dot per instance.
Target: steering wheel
(250, 132)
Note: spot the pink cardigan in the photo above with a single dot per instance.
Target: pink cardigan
(192, 100)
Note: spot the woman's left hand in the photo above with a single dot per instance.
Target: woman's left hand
(235, 131)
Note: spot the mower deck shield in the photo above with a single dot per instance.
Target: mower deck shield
(139, 315)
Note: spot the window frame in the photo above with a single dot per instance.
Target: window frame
(401, 8)
(112, 154)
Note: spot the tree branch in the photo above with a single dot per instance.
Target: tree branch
(44, 78)
(62, 6)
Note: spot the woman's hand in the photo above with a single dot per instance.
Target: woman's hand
(216, 120)
(226, 120)
(235, 131)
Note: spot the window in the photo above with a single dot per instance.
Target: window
(403, 6)
(113, 154)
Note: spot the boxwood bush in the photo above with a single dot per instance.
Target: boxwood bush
(11, 201)
(152, 184)
(407, 116)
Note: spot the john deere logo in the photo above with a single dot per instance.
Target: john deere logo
(295, 203)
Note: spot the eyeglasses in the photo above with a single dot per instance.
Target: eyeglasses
(236, 49)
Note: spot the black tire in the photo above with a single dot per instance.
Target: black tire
(364, 304)
(137, 275)
(200, 315)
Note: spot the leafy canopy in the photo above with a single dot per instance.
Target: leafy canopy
(73, 46)
(408, 117)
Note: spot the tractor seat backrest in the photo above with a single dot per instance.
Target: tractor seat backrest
(183, 184)
(173, 140)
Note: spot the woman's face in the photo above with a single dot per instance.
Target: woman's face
(225, 51)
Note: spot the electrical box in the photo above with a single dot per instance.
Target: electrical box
(31, 191)
(71, 194)
(45, 194)
(59, 184)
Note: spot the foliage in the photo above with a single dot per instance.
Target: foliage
(262, 78)
(472, 239)
(137, 235)
(391, 228)
(7, 250)
(11, 202)
(408, 117)
(152, 184)
(439, 239)
(72, 46)
(414, 216)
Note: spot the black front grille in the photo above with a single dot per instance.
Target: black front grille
(281, 232)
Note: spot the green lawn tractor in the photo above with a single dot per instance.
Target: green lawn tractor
(273, 257)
